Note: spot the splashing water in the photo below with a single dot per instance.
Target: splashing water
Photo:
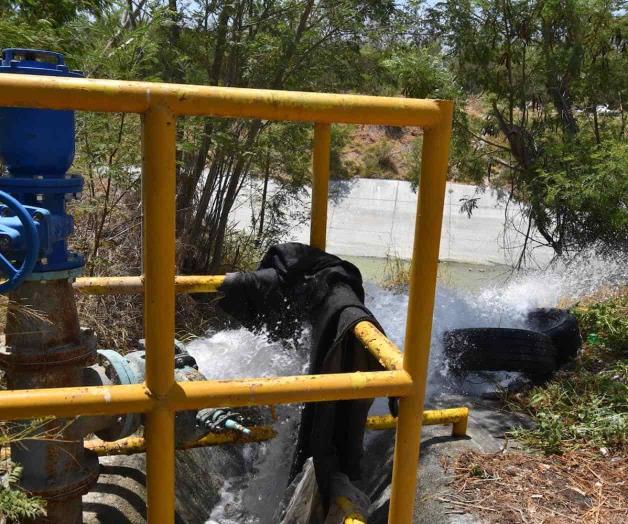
(254, 497)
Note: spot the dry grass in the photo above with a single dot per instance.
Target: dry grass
(521, 488)
(376, 152)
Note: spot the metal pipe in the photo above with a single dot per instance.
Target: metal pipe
(320, 185)
(75, 401)
(420, 310)
(158, 195)
(45, 348)
(456, 416)
(136, 398)
(283, 390)
(384, 350)
(132, 445)
(138, 97)
(135, 285)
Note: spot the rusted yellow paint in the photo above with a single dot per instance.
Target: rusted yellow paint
(384, 350)
(133, 445)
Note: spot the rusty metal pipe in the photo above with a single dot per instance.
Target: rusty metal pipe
(458, 417)
(45, 348)
(133, 445)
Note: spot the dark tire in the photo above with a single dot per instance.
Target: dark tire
(500, 349)
(562, 327)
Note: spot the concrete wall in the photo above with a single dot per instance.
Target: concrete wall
(373, 218)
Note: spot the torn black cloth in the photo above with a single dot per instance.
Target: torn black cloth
(296, 283)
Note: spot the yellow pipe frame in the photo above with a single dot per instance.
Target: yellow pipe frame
(135, 285)
(387, 353)
(158, 197)
(137, 398)
(457, 417)
(320, 184)
(117, 96)
(160, 396)
(420, 309)
(132, 445)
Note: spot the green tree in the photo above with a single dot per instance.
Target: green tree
(545, 68)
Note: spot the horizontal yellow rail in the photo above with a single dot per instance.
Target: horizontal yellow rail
(387, 353)
(132, 445)
(136, 398)
(138, 97)
(458, 417)
(135, 285)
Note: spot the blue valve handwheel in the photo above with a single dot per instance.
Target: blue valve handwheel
(14, 275)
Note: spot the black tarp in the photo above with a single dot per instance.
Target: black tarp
(296, 283)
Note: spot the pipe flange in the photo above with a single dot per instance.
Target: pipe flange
(42, 185)
(67, 485)
(40, 359)
(119, 371)
(64, 274)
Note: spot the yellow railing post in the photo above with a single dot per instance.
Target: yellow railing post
(420, 309)
(320, 185)
(158, 194)
(160, 396)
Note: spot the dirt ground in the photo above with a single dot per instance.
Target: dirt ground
(515, 487)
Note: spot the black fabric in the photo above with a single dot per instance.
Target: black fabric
(296, 283)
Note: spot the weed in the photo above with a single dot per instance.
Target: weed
(396, 273)
(15, 504)
(586, 406)
(377, 161)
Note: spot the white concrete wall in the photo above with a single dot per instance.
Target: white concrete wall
(376, 218)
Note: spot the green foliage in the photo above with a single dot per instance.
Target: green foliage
(422, 72)
(589, 184)
(554, 76)
(340, 137)
(588, 405)
(15, 504)
(608, 320)
(585, 408)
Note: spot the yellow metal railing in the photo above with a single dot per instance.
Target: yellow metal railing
(160, 396)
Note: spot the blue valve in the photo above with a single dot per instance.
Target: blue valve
(30, 238)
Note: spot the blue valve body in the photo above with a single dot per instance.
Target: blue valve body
(37, 148)
(36, 141)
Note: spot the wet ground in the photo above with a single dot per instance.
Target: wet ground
(486, 430)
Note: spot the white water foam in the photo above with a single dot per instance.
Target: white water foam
(253, 498)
